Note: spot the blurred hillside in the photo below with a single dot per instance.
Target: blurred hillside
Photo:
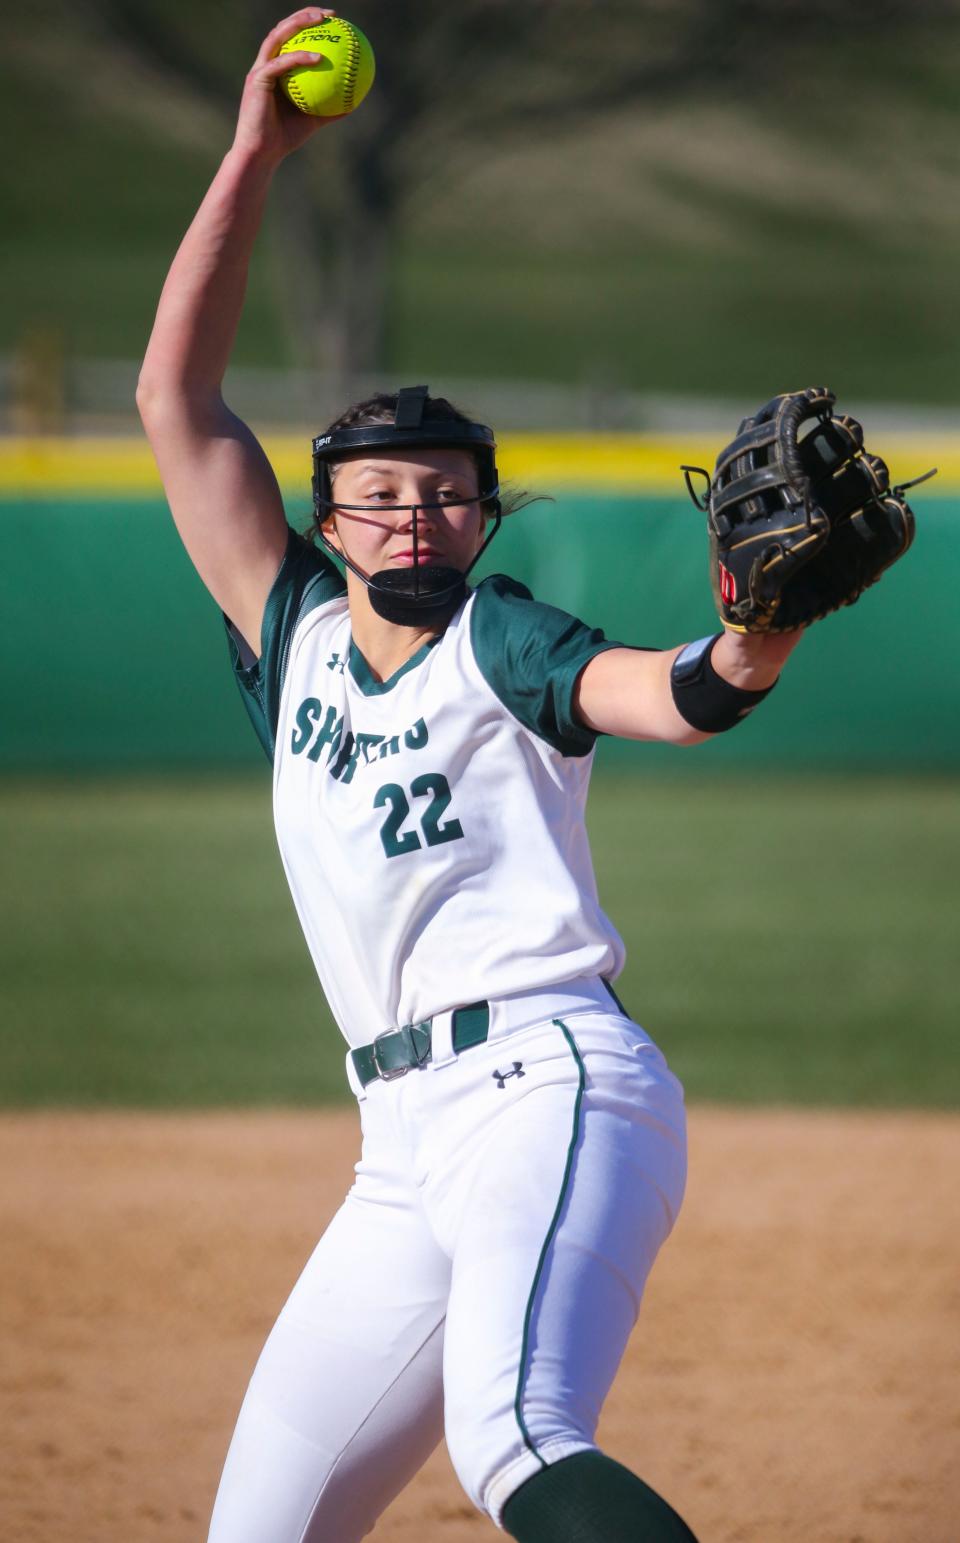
(716, 199)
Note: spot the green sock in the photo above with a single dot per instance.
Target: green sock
(588, 1498)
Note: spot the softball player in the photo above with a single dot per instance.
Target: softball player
(523, 1150)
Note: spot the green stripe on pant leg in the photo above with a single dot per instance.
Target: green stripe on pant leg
(551, 1233)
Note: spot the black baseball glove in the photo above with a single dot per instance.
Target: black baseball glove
(801, 518)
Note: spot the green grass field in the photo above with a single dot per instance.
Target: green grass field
(788, 941)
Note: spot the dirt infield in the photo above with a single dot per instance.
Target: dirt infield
(794, 1375)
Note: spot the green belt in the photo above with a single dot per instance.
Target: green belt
(397, 1051)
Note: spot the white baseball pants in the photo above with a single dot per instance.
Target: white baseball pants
(480, 1280)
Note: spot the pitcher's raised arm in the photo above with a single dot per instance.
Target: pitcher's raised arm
(219, 484)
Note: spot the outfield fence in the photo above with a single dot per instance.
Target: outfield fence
(115, 656)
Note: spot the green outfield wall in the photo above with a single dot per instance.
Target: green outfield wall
(114, 656)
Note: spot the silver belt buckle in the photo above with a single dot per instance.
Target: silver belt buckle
(387, 1074)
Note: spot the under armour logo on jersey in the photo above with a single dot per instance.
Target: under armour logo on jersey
(501, 1077)
(336, 663)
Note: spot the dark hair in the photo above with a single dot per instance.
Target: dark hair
(382, 408)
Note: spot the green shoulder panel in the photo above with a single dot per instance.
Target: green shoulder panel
(306, 579)
(530, 656)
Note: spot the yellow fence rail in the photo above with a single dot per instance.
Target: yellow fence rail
(601, 463)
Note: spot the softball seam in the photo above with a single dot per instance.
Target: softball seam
(350, 69)
(293, 90)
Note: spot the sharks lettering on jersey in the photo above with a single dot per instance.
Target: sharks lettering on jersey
(318, 727)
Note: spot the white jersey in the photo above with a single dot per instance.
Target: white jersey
(431, 825)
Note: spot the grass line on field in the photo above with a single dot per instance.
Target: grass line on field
(789, 941)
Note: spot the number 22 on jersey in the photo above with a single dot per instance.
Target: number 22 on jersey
(395, 840)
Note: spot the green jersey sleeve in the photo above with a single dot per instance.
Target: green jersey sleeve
(530, 656)
(306, 579)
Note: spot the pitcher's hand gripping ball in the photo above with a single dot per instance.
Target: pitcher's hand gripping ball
(801, 518)
(339, 81)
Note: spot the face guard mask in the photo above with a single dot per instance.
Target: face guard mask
(425, 592)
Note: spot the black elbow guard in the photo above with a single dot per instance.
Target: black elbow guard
(701, 696)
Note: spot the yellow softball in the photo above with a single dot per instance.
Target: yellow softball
(341, 79)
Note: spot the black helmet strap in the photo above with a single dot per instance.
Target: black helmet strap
(411, 400)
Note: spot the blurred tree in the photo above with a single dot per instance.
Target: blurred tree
(476, 72)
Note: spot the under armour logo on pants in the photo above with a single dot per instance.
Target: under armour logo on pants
(518, 1071)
